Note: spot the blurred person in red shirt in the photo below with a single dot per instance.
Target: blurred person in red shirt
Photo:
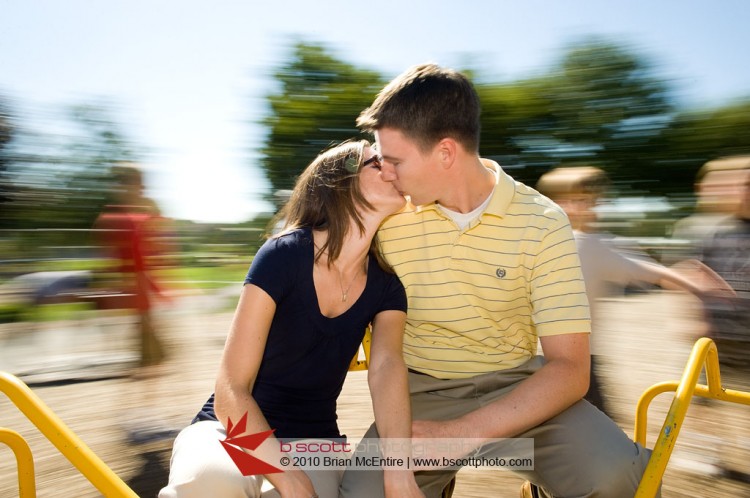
(129, 231)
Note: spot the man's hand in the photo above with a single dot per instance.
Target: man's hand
(442, 440)
(294, 484)
(400, 483)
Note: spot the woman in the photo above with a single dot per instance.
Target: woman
(308, 296)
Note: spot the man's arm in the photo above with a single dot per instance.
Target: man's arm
(560, 383)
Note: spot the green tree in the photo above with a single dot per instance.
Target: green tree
(516, 122)
(697, 136)
(319, 100)
(98, 144)
(607, 108)
(601, 105)
(6, 133)
(60, 177)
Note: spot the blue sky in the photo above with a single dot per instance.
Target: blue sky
(190, 77)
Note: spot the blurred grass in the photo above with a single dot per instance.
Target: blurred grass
(53, 312)
(202, 278)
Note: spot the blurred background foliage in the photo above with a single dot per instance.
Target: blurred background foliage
(319, 100)
(601, 104)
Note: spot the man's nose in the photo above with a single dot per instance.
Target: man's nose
(388, 172)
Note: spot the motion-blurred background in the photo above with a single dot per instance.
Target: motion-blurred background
(221, 105)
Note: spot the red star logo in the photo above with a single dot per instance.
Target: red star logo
(248, 465)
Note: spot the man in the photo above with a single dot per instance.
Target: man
(728, 253)
(489, 266)
(718, 192)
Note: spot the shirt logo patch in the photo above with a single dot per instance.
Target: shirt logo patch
(500, 272)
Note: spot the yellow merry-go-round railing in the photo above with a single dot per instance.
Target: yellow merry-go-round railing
(70, 445)
(704, 353)
(363, 364)
(60, 435)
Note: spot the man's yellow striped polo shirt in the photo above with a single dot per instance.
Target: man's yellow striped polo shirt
(479, 298)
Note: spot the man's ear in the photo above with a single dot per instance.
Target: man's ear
(446, 151)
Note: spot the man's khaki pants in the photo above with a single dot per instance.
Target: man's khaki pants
(580, 452)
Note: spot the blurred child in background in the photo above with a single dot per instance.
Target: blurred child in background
(577, 190)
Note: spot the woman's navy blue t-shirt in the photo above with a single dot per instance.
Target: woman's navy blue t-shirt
(307, 355)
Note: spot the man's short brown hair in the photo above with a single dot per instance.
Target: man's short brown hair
(427, 103)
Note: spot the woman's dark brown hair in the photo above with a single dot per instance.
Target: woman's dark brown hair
(326, 197)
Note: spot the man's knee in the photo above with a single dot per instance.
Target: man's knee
(623, 475)
(619, 477)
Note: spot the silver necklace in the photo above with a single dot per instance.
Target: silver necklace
(345, 293)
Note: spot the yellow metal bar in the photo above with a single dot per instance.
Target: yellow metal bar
(356, 363)
(24, 459)
(704, 353)
(64, 439)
